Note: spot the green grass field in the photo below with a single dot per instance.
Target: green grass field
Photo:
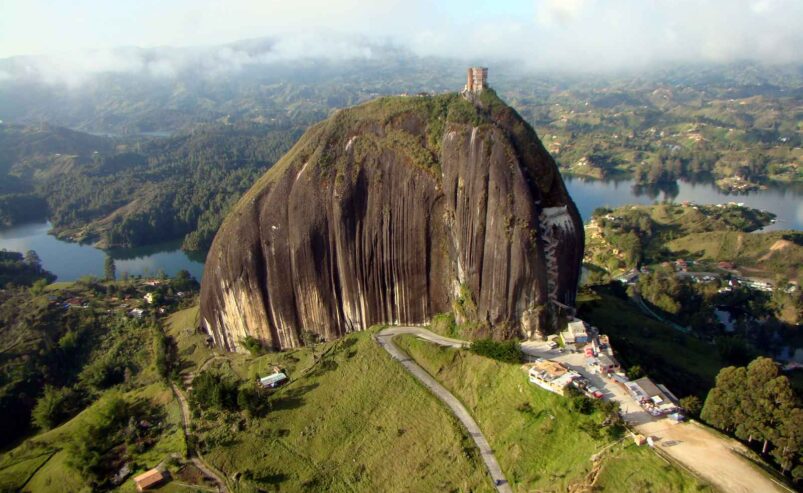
(355, 421)
(352, 419)
(763, 254)
(535, 435)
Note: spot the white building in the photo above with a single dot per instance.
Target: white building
(551, 375)
(575, 333)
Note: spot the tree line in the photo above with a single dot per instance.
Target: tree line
(757, 404)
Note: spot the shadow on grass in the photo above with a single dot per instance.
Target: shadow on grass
(271, 479)
(291, 398)
(325, 366)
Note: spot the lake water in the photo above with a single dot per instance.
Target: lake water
(69, 261)
(785, 202)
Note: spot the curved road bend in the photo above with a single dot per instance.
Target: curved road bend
(385, 339)
(711, 457)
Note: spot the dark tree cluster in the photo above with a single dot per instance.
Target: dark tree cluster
(22, 270)
(757, 404)
(506, 351)
(214, 391)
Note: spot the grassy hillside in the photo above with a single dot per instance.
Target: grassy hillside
(757, 254)
(540, 442)
(82, 384)
(623, 238)
(350, 420)
(42, 463)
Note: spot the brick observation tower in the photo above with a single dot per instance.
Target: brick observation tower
(477, 79)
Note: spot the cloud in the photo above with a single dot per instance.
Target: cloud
(73, 68)
(560, 11)
(578, 35)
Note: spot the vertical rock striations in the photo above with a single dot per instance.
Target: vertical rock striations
(391, 212)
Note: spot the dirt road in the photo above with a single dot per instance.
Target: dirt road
(710, 456)
(707, 454)
(195, 457)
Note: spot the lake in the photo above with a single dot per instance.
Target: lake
(784, 202)
(69, 261)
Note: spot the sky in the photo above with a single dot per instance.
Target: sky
(575, 34)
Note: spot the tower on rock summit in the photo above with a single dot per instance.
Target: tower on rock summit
(391, 212)
(476, 80)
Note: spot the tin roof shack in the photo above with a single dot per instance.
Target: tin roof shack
(150, 479)
(655, 399)
(575, 333)
(274, 380)
(551, 375)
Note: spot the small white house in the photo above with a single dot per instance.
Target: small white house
(274, 380)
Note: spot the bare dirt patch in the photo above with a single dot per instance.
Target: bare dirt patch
(714, 458)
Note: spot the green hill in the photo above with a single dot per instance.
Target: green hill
(352, 419)
(756, 254)
(623, 238)
(540, 440)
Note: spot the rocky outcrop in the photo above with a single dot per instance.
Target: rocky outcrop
(391, 212)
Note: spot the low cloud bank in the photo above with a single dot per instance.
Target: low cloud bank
(566, 35)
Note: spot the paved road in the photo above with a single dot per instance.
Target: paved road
(385, 339)
(705, 453)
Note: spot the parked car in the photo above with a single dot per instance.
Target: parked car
(594, 392)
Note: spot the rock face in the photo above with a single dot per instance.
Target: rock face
(392, 212)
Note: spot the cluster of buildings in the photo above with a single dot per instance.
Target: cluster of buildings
(598, 359)
(135, 304)
(580, 337)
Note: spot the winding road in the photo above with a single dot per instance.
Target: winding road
(715, 459)
(385, 339)
(193, 455)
